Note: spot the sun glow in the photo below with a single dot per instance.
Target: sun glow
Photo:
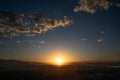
(59, 57)
(59, 61)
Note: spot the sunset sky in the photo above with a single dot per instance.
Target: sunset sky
(77, 30)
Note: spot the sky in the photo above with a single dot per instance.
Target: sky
(78, 30)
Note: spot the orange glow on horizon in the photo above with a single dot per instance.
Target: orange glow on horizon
(58, 57)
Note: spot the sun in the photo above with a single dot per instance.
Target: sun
(59, 57)
(59, 61)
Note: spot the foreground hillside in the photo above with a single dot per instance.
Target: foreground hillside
(18, 70)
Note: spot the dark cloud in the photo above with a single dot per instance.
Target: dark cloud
(37, 17)
(23, 30)
(10, 15)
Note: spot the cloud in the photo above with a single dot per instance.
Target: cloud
(42, 42)
(23, 30)
(48, 24)
(102, 32)
(2, 29)
(18, 42)
(10, 18)
(4, 35)
(1, 42)
(84, 39)
(91, 6)
(13, 34)
(13, 24)
(29, 35)
(118, 5)
(100, 40)
(30, 41)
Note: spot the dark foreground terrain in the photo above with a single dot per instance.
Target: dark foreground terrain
(18, 70)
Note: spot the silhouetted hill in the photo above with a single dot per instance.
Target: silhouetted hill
(18, 65)
(22, 65)
(20, 70)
